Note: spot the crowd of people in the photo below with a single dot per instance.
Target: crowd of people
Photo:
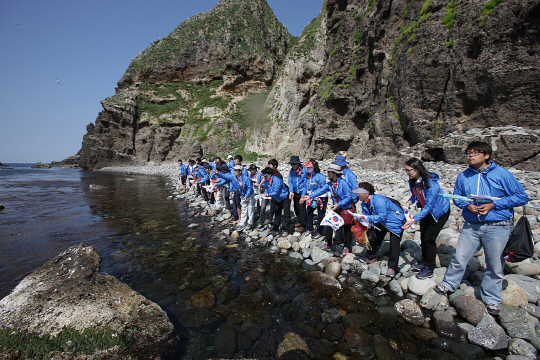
(488, 216)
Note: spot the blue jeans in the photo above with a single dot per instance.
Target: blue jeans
(493, 239)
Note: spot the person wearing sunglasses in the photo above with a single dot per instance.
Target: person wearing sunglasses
(486, 224)
(435, 211)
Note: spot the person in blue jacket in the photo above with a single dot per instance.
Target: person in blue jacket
(240, 185)
(435, 211)
(486, 224)
(315, 180)
(231, 162)
(386, 216)
(182, 175)
(278, 191)
(347, 174)
(340, 191)
(297, 185)
(204, 179)
(256, 178)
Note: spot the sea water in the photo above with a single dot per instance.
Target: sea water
(224, 301)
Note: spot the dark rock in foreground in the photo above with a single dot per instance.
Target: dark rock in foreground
(68, 292)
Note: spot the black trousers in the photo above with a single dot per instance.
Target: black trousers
(429, 230)
(320, 215)
(235, 205)
(395, 246)
(208, 197)
(347, 234)
(299, 209)
(284, 206)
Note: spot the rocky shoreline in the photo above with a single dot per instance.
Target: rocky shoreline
(458, 324)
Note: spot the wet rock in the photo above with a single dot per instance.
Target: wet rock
(323, 284)
(227, 216)
(446, 327)
(225, 340)
(266, 346)
(322, 349)
(332, 315)
(522, 348)
(356, 337)
(424, 334)
(194, 225)
(410, 312)
(433, 301)
(243, 342)
(383, 349)
(296, 354)
(292, 342)
(420, 286)
(517, 322)
(199, 319)
(512, 294)
(309, 265)
(333, 332)
(294, 258)
(333, 269)
(491, 337)
(68, 291)
(469, 308)
(235, 234)
(254, 332)
(204, 298)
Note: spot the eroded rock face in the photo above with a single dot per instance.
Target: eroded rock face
(69, 291)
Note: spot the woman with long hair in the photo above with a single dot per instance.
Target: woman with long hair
(435, 211)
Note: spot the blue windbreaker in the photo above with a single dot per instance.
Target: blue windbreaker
(183, 170)
(244, 191)
(343, 193)
(384, 212)
(436, 205)
(352, 180)
(297, 184)
(496, 182)
(189, 169)
(278, 190)
(244, 171)
(315, 182)
(231, 164)
(213, 165)
(202, 175)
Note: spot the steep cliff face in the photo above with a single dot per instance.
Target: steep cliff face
(400, 73)
(375, 78)
(185, 94)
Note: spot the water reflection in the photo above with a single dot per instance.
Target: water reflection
(229, 302)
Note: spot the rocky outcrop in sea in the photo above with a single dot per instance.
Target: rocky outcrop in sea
(67, 309)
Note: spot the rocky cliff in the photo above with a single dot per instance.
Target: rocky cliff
(185, 94)
(401, 73)
(385, 78)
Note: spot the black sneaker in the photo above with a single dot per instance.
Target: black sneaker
(441, 289)
(425, 273)
(274, 234)
(493, 309)
(419, 267)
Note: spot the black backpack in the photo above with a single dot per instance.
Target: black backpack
(520, 245)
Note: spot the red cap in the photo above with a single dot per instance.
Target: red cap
(309, 164)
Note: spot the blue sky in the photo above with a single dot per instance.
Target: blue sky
(87, 45)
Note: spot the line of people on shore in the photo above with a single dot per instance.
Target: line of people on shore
(488, 224)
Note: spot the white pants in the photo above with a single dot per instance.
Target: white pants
(248, 210)
(219, 197)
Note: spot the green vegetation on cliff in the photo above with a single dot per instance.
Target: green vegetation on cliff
(236, 29)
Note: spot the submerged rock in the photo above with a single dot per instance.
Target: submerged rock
(69, 292)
